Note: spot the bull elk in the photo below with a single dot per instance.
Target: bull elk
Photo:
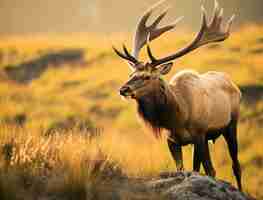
(194, 108)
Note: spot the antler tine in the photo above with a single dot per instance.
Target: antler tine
(149, 51)
(220, 18)
(203, 18)
(229, 23)
(166, 28)
(126, 52)
(159, 18)
(216, 14)
(119, 53)
(127, 56)
(209, 32)
(142, 30)
(148, 13)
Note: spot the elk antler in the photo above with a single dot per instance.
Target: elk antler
(142, 30)
(212, 32)
(141, 33)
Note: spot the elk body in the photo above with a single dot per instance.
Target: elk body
(193, 107)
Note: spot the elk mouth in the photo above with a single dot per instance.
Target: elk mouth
(133, 96)
(127, 92)
(128, 95)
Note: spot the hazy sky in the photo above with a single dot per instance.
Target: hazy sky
(27, 16)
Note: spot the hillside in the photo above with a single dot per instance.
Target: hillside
(71, 118)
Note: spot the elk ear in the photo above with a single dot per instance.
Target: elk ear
(165, 68)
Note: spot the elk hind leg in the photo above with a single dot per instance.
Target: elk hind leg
(230, 136)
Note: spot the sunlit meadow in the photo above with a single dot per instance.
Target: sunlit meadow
(44, 155)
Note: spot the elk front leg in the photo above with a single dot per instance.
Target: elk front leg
(202, 150)
(176, 151)
(196, 160)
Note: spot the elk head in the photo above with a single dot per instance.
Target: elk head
(146, 75)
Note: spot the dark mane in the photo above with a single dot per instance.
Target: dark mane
(154, 109)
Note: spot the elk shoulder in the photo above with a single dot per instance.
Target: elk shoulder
(210, 99)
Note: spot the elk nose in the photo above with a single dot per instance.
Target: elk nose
(124, 90)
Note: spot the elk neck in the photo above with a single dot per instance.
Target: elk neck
(158, 108)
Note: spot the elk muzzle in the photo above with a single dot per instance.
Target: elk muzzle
(125, 91)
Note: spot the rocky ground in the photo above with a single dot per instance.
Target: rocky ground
(170, 186)
(193, 186)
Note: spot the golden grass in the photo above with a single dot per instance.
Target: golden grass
(66, 160)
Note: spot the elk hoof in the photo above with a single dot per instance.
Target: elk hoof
(180, 169)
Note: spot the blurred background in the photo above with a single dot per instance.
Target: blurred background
(103, 16)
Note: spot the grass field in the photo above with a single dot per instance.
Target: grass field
(65, 131)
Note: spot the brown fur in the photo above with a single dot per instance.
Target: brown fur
(193, 107)
(155, 108)
(182, 107)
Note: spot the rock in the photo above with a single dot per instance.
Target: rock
(193, 186)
